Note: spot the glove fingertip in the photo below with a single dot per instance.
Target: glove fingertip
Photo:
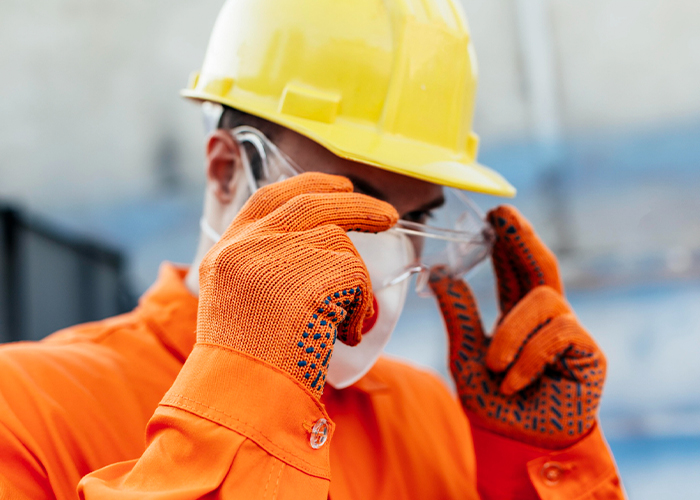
(507, 388)
(500, 216)
(497, 362)
(513, 383)
(334, 183)
(437, 274)
(351, 340)
(350, 331)
(389, 211)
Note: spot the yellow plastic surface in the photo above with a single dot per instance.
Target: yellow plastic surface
(390, 83)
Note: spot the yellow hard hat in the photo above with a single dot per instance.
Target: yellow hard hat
(390, 83)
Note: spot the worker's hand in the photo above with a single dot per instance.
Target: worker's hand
(285, 279)
(539, 378)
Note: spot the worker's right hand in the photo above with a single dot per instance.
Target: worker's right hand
(285, 279)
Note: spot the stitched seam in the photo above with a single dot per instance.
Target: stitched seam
(126, 323)
(222, 421)
(222, 412)
(267, 483)
(605, 477)
(279, 476)
(170, 346)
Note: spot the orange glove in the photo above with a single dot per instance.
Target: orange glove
(285, 279)
(539, 378)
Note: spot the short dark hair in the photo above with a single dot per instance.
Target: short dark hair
(232, 118)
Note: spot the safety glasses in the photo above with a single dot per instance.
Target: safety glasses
(458, 236)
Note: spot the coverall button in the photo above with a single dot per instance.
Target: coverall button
(552, 473)
(319, 434)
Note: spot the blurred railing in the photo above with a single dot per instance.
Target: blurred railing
(50, 279)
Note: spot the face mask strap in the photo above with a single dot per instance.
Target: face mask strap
(209, 231)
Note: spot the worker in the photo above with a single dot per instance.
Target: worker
(336, 130)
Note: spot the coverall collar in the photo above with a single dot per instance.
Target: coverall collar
(170, 310)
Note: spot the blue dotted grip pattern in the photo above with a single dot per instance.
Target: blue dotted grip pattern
(315, 345)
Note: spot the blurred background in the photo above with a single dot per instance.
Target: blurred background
(591, 109)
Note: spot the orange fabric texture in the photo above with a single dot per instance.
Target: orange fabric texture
(546, 474)
(285, 280)
(85, 401)
(540, 377)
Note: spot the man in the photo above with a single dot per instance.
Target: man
(235, 391)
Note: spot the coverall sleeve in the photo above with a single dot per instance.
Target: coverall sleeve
(510, 469)
(230, 427)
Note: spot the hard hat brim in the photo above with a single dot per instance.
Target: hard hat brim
(386, 151)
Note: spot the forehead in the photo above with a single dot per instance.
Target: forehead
(405, 193)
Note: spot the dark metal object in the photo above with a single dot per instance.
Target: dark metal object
(50, 279)
(11, 287)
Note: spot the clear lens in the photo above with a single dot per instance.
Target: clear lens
(458, 237)
(461, 248)
(266, 163)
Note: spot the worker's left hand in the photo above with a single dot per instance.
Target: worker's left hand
(539, 378)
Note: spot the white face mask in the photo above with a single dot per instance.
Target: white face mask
(384, 254)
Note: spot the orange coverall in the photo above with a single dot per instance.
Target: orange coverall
(114, 403)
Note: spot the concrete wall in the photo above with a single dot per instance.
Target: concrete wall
(628, 62)
(89, 106)
(618, 63)
(89, 111)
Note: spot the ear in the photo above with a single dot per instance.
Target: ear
(223, 159)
